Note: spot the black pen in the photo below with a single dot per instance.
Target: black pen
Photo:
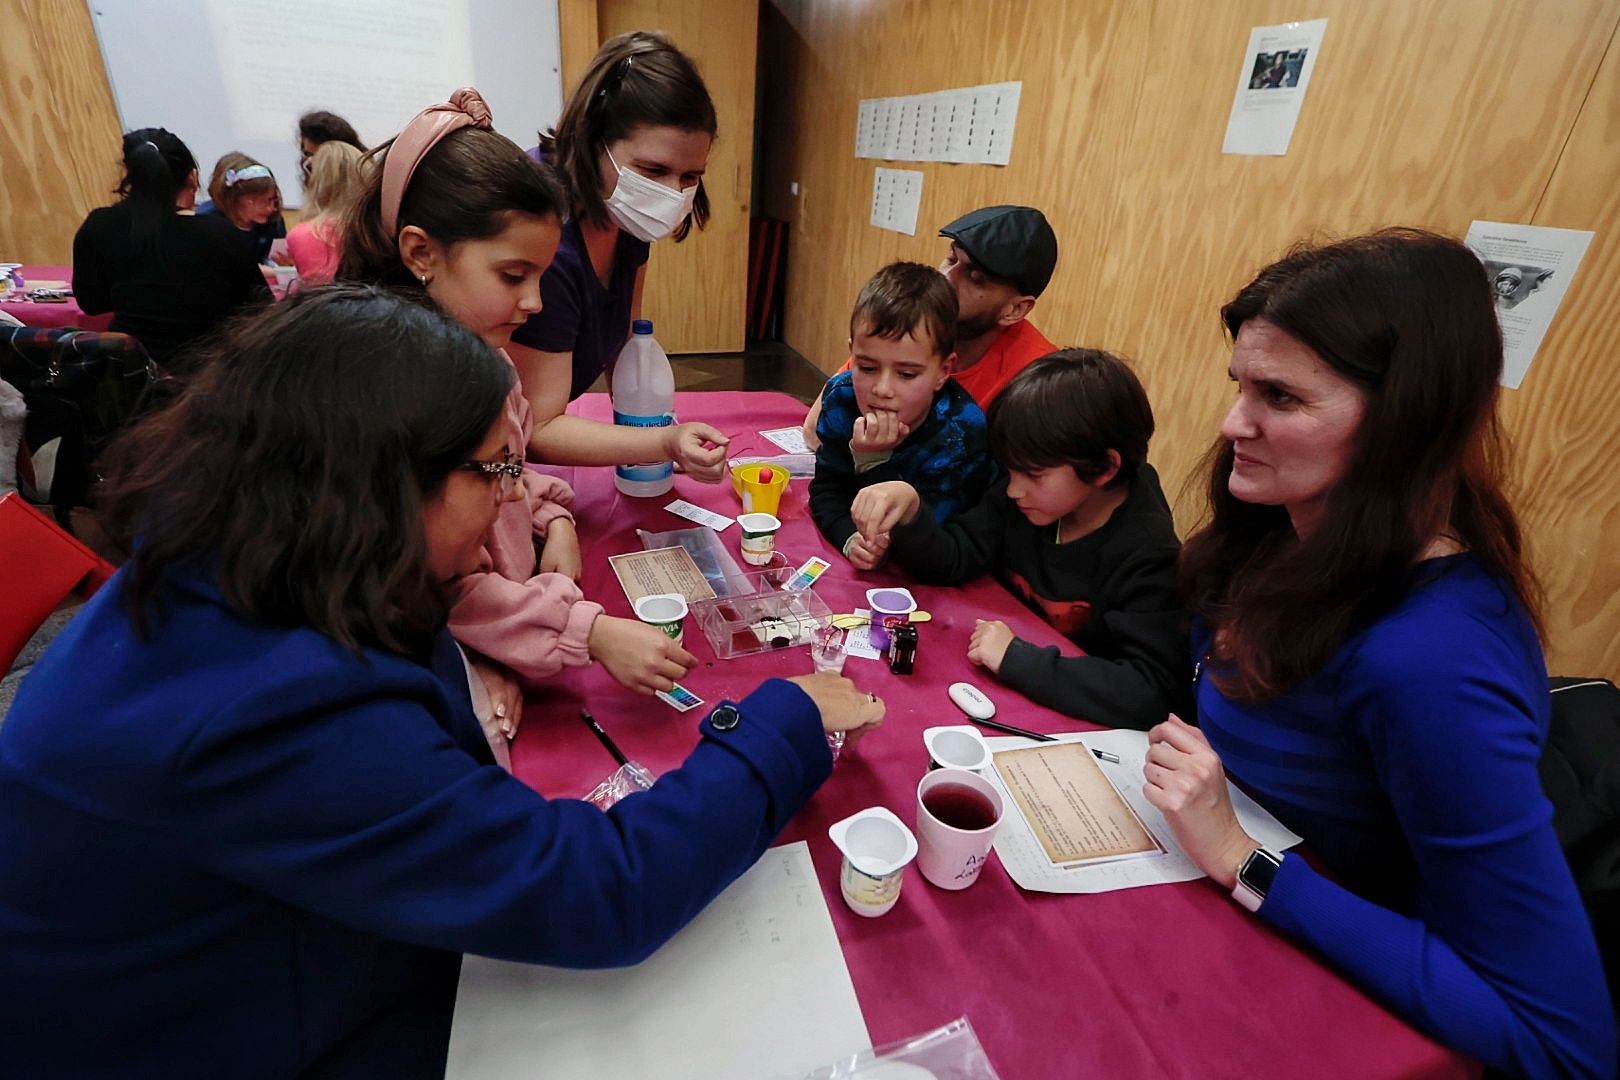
(1101, 755)
(612, 748)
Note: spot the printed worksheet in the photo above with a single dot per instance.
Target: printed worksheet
(1027, 863)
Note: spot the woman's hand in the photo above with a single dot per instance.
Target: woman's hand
(698, 449)
(988, 645)
(639, 656)
(1186, 783)
(881, 507)
(561, 552)
(843, 707)
(877, 431)
(505, 694)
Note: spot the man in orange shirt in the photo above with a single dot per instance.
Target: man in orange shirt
(1000, 260)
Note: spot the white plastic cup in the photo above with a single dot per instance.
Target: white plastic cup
(667, 611)
(758, 537)
(829, 649)
(959, 746)
(877, 846)
(953, 840)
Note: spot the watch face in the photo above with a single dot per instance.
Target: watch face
(1259, 871)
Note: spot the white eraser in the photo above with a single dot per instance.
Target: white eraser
(971, 700)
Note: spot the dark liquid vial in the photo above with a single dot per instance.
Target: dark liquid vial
(960, 807)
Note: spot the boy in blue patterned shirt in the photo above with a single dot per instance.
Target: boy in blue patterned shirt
(894, 415)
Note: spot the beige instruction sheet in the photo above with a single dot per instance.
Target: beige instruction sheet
(661, 570)
(1070, 805)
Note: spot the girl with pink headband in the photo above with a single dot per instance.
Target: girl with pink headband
(460, 213)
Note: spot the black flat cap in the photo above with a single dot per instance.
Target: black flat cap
(1012, 242)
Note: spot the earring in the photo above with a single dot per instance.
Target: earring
(424, 281)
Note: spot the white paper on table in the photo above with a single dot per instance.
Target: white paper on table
(1026, 862)
(790, 439)
(1271, 89)
(756, 985)
(1531, 268)
(858, 639)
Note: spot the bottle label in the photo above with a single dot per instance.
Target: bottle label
(652, 471)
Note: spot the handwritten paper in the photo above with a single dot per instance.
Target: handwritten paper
(1070, 806)
(755, 986)
(660, 570)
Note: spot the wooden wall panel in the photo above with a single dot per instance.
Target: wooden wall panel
(697, 290)
(1565, 418)
(580, 36)
(1424, 112)
(59, 144)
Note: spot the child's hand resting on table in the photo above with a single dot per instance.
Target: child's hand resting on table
(877, 431)
(988, 645)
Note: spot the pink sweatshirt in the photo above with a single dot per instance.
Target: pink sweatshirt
(535, 624)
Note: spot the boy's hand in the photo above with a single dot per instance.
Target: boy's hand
(877, 431)
(863, 553)
(988, 645)
(881, 507)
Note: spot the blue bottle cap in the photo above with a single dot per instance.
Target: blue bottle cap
(641, 326)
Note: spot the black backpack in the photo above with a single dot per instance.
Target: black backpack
(1580, 772)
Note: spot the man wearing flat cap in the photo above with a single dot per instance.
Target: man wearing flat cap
(1000, 261)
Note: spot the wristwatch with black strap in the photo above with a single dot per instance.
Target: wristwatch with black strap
(1254, 877)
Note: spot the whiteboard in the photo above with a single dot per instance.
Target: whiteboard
(237, 74)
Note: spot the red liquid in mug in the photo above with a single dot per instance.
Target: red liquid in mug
(960, 807)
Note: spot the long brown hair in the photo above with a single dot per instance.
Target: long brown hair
(1407, 316)
(468, 187)
(293, 470)
(635, 79)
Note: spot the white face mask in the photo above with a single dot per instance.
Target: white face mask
(645, 210)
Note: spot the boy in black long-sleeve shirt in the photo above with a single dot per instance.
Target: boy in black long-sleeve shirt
(1079, 530)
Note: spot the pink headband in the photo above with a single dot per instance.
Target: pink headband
(465, 109)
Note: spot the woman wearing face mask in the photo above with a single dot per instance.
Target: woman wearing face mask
(630, 148)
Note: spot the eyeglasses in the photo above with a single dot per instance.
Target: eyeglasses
(509, 469)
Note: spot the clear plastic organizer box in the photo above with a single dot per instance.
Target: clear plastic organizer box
(759, 615)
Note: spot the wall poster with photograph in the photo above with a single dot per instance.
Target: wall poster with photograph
(1271, 87)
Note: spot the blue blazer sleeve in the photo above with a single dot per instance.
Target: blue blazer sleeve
(370, 814)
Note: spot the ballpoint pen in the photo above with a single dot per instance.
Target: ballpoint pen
(1101, 755)
(612, 747)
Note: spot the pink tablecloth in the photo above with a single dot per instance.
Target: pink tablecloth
(1172, 980)
(50, 316)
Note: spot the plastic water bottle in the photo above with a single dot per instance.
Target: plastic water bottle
(643, 396)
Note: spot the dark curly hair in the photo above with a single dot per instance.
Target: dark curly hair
(293, 470)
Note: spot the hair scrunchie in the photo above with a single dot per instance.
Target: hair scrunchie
(466, 108)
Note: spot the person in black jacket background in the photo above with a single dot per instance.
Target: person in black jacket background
(168, 277)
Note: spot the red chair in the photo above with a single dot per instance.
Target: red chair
(40, 564)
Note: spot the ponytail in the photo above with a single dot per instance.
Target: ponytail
(156, 166)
